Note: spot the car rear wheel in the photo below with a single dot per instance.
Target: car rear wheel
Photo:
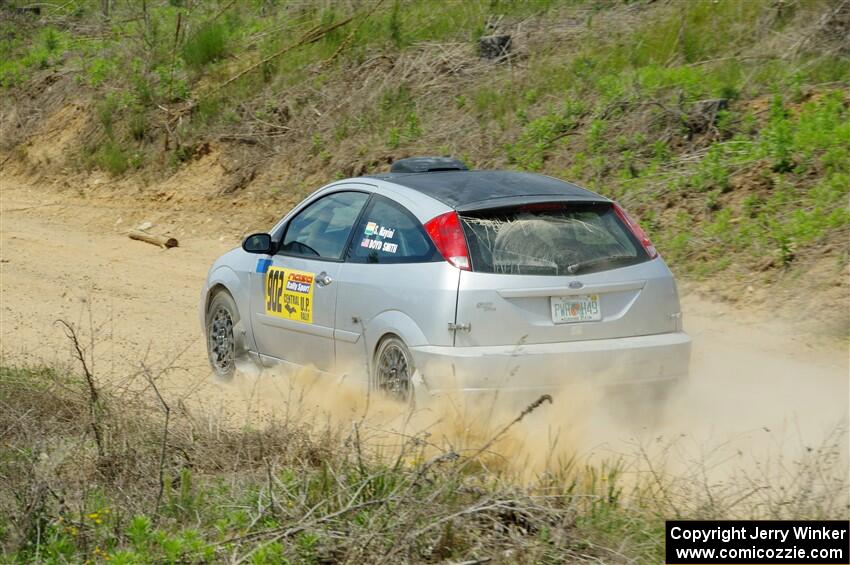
(222, 335)
(394, 369)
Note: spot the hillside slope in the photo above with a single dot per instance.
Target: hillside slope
(723, 125)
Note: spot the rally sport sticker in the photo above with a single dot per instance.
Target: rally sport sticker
(289, 294)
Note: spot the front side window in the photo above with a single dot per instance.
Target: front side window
(321, 230)
(388, 233)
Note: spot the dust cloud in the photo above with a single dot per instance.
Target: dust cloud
(766, 414)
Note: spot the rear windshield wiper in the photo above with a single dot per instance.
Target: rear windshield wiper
(575, 267)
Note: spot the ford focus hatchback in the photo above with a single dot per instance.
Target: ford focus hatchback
(433, 277)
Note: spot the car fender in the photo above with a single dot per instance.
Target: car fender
(224, 276)
(397, 323)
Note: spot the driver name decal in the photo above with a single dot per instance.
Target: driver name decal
(289, 294)
(374, 230)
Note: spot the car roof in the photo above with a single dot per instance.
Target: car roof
(473, 190)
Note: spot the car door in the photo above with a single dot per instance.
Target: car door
(294, 291)
(394, 281)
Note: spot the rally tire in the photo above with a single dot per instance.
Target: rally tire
(393, 370)
(224, 335)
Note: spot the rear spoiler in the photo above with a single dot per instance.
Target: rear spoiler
(514, 201)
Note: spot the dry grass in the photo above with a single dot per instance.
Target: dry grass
(309, 494)
(169, 483)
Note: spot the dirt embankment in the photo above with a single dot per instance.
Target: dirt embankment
(201, 200)
(757, 385)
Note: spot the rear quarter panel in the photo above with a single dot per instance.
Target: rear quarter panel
(414, 301)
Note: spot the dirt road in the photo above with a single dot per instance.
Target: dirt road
(58, 266)
(67, 258)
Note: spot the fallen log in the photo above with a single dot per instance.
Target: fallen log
(163, 241)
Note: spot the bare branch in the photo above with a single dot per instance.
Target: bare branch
(94, 395)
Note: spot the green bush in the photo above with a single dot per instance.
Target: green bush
(113, 158)
(538, 135)
(20, 54)
(99, 69)
(138, 124)
(206, 45)
(107, 110)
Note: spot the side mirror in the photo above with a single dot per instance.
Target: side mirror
(260, 243)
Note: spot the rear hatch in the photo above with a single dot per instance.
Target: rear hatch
(561, 271)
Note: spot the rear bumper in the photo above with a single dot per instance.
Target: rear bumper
(551, 366)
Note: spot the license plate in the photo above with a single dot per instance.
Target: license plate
(581, 308)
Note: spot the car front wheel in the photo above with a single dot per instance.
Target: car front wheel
(222, 335)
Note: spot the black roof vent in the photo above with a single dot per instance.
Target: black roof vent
(427, 165)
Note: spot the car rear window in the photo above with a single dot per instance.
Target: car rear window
(559, 238)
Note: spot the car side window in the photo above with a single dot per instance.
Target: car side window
(321, 230)
(388, 233)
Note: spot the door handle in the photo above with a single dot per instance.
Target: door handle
(323, 279)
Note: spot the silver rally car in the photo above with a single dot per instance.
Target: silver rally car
(433, 277)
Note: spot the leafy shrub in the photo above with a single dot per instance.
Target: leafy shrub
(51, 40)
(712, 171)
(777, 137)
(537, 136)
(207, 44)
(113, 158)
(98, 70)
(106, 113)
(138, 124)
(20, 54)
(171, 86)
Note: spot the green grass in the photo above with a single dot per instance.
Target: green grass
(613, 109)
(647, 79)
(22, 56)
(205, 45)
(800, 160)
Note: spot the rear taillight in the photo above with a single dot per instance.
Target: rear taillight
(636, 231)
(447, 234)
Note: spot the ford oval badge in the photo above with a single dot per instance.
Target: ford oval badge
(576, 284)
